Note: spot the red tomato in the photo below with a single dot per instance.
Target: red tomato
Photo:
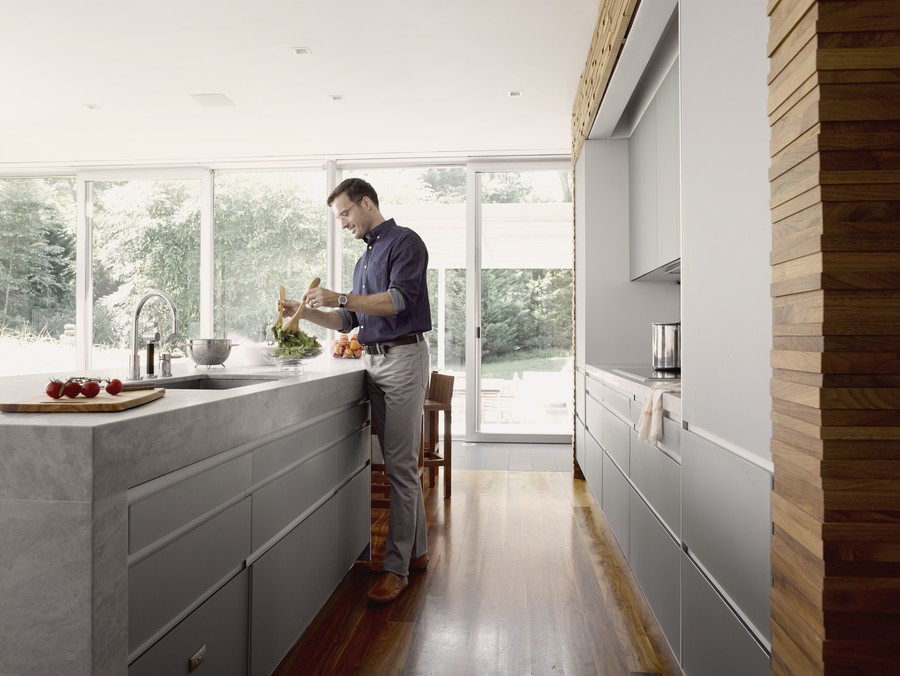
(54, 389)
(90, 389)
(72, 389)
(114, 386)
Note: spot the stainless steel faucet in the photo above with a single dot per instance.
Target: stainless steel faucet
(134, 368)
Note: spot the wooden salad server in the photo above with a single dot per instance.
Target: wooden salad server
(293, 324)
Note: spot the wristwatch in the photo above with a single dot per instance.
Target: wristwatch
(342, 300)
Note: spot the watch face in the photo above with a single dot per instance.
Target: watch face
(342, 300)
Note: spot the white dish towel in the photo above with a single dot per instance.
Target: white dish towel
(650, 426)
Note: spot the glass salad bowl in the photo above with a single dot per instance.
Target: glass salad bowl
(288, 359)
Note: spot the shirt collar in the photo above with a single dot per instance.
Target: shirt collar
(379, 230)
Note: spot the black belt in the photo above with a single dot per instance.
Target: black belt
(382, 348)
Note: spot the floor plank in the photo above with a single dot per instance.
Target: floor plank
(525, 577)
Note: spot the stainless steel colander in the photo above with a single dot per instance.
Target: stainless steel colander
(209, 351)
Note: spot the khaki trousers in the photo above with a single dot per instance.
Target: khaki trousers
(397, 383)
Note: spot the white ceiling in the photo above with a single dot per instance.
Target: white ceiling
(418, 77)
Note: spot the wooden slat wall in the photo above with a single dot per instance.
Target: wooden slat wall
(613, 21)
(834, 107)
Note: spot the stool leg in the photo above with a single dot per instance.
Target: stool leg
(448, 446)
(432, 445)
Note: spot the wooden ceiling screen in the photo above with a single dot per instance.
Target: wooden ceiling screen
(834, 107)
(613, 21)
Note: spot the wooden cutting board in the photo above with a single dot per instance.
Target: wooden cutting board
(102, 403)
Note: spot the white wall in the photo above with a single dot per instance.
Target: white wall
(726, 225)
(612, 325)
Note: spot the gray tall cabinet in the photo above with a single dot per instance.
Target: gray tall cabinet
(691, 513)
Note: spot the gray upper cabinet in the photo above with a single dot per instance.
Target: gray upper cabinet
(642, 194)
(668, 200)
(654, 194)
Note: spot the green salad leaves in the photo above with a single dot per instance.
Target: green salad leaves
(295, 345)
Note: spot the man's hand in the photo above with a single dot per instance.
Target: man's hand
(319, 298)
(289, 307)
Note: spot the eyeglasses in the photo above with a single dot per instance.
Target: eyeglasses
(345, 214)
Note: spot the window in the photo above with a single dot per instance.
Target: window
(270, 229)
(37, 275)
(145, 235)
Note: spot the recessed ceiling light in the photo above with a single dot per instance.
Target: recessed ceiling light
(516, 93)
(336, 97)
(212, 100)
(92, 106)
(302, 51)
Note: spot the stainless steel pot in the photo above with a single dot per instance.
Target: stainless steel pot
(666, 346)
(209, 351)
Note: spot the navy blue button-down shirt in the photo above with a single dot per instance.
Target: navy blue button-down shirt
(396, 261)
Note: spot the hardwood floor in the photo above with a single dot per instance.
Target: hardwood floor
(524, 577)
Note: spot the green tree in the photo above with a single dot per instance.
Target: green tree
(37, 254)
(270, 231)
(146, 235)
(446, 184)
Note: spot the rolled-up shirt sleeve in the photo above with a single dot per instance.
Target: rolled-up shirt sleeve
(408, 267)
(397, 299)
(349, 319)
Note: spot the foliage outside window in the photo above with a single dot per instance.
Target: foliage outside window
(37, 275)
(526, 266)
(146, 235)
(270, 229)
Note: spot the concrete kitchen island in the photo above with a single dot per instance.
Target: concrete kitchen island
(151, 508)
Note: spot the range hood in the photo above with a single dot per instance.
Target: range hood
(670, 272)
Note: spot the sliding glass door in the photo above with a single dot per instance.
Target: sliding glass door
(521, 283)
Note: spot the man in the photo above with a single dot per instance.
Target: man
(389, 304)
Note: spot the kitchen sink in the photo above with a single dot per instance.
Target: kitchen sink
(206, 382)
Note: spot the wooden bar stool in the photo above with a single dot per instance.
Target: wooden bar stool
(438, 399)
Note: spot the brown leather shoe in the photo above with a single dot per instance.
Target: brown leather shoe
(417, 564)
(387, 588)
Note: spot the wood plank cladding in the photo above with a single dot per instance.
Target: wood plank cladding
(613, 21)
(834, 113)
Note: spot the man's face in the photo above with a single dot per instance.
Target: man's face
(352, 215)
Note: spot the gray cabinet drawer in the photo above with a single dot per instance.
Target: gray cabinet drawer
(593, 421)
(671, 436)
(579, 393)
(615, 502)
(670, 440)
(275, 456)
(281, 501)
(354, 451)
(219, 627)
(616, 401)
(352, 419)
(615, 439)
(165, 504)
(579, 444)
(658, 478)
(289, 584)
(593, 466)
(354, 520)
(727, 523)
(162, 585)
(655, 559)
(592, 387)
(635, 411)
(714, 642)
